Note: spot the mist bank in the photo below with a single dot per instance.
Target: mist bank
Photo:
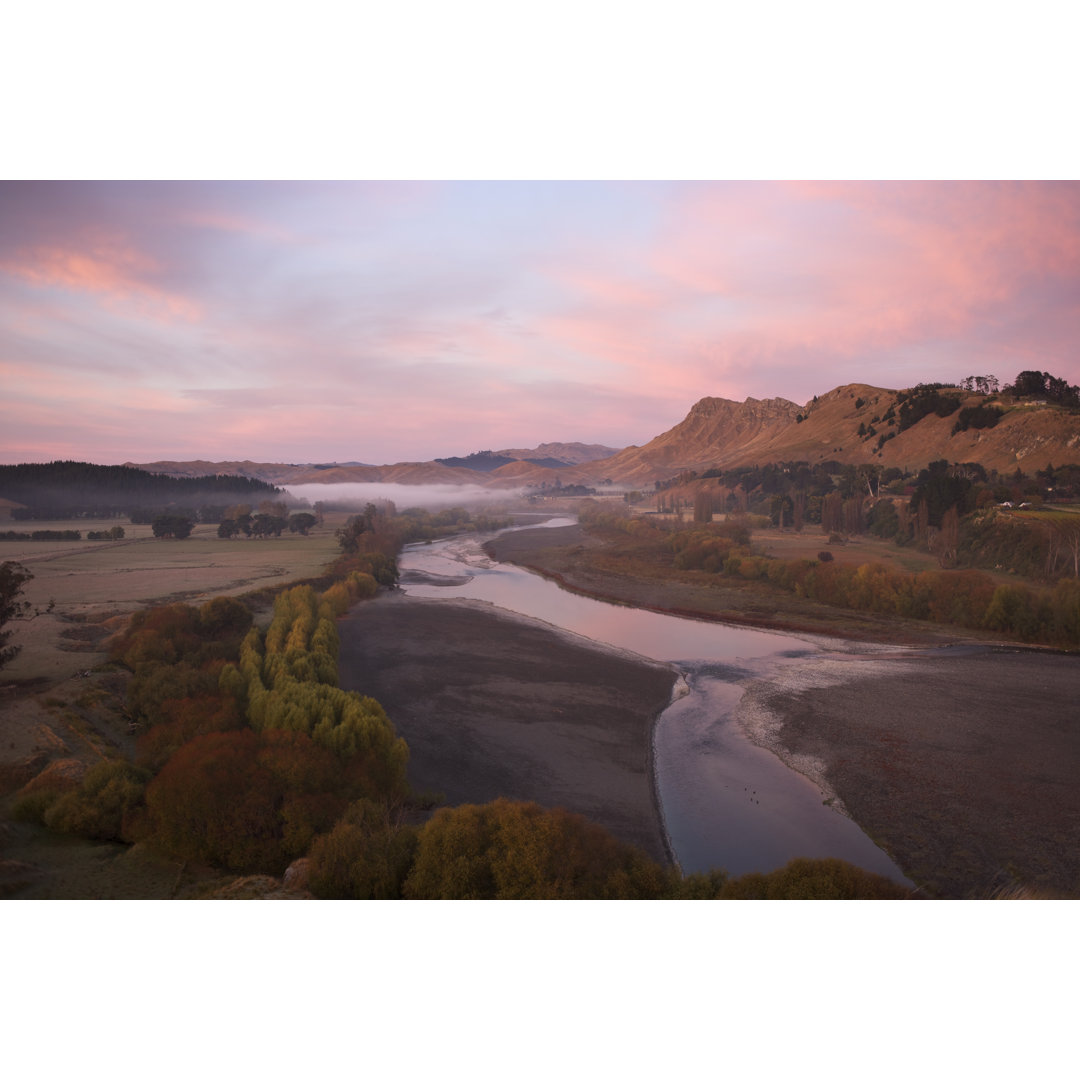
(350, 496)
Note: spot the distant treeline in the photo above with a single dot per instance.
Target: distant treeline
(115, 533)
(70, 489)
(46, 534)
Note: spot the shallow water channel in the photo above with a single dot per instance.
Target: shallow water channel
(725, 801)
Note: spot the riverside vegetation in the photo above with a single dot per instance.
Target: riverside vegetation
(249, 756)
(975, 535)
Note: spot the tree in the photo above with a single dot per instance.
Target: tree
(301, 523)
(1064, 532)
(832, 512)
(174, 526)
(507, 850)
(348, 536)
(266, 525)
(949, 537)
(813, 879)
(703, 506)
(13, 576)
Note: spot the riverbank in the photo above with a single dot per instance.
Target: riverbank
(583, 564)
(493, 705)
(960, 761)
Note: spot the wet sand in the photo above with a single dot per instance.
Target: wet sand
(493, 705)
(963, 762)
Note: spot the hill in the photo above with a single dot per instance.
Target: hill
(858, 424)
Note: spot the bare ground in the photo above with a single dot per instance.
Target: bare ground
(496, 705)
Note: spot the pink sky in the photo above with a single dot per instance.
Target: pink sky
(385, 322)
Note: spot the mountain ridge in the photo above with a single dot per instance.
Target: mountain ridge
(857, 423)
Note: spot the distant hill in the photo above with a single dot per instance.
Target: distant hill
(574, 453)
(857, 423)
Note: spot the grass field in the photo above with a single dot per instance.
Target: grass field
(91, 583)
(59, 700)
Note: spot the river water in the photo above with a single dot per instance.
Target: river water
(725, 801)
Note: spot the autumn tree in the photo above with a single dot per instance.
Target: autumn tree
(105, 805)
(517, 850)
(814, 879)
(13, 576)
(245, 801)
(348, 535)
(366, 856)
(274, 509)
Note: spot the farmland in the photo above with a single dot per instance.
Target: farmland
(91, 583)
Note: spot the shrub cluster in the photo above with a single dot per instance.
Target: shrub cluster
(966, 598)
(255, 748)
(43, 534)
(510, 850)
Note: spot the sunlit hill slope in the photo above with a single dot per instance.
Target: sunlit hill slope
(857, 423)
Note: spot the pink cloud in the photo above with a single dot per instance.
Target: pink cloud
(850, 270)
(102, 264)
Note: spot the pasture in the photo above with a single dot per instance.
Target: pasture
(93, 584)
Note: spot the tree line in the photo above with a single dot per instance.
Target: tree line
(69, 489)
(961, 597)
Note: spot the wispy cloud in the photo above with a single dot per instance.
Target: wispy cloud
(387, 322)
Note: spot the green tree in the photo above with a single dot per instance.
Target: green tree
(172, 526)
(13, 576)
(267, 525)
(301, 523)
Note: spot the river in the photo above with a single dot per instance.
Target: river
(725, 801)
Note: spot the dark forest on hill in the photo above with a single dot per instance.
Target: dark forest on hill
(69, 489)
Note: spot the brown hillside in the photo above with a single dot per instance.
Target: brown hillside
(718, 433)
(523, 474)
(405, 472)
(272, 473)
(724, 434)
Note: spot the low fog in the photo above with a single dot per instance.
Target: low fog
(403, 496)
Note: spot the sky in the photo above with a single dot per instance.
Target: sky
(381, 321)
